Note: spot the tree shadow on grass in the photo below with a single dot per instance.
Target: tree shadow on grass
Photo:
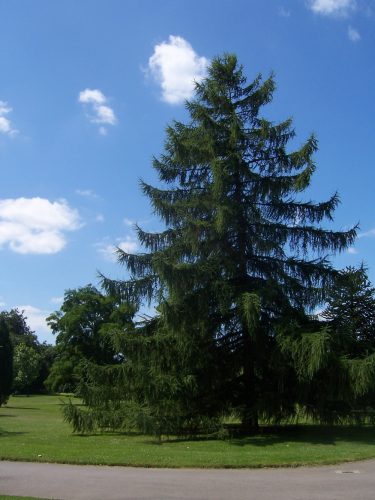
(270, 436)
(11, 433)
(21, 408)
(266, 437)
(108, 434)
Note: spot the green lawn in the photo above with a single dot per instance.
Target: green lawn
(31, 428)
(6, 497)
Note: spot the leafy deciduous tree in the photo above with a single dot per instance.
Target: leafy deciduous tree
(81, 327)
(19, 330)
(26, 367)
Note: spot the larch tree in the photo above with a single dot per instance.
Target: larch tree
(241, 262)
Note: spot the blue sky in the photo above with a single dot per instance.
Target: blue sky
(87, 88)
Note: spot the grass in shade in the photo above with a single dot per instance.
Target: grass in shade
(32, 429)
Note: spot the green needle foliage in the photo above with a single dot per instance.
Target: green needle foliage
(240, 263)
(351, 310)
(336, 365)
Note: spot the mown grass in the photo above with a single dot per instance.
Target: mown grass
(6, 497)
(32, 429)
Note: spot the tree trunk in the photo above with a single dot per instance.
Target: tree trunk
(249, 420)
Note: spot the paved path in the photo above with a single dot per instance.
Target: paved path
(354, 481)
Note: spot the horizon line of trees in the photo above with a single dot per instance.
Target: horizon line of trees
(88, 316)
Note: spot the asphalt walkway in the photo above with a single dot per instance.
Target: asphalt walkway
(354, 481)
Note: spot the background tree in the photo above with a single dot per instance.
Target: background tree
(350, 310)
(81, 333)
(241, 257)
(6, 362)
(335, 367)
(21, 333)
(47, 353)
(19, 330)
(26, 367)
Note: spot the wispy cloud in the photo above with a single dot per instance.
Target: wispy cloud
(332, 7)
(57, 300)
(98, 110)
(128, 222)
(129, 244)
(175, 66)
(36, 225)
(6, 126)
(353, 34)
(367, 234)
(87, 193)
(352, 250)
(108, 250)
(283, 12)
(99, 218)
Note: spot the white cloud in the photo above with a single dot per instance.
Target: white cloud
(36, 225)
(93, 96)
(6, 126)
(100, 112)
(129, 244)
(105, 115)
(332, 7)
(352, 250)
(175, 66)
(36, 319)
(353, 34)
(99, 218)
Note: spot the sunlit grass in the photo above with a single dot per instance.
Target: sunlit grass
(6, 497)
(31, 428)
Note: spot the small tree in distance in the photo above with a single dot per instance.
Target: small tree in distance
(350, 310)
(26, 367)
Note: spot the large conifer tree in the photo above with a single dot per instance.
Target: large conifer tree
(242, 259)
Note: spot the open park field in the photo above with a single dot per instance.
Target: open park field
(32, 429)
